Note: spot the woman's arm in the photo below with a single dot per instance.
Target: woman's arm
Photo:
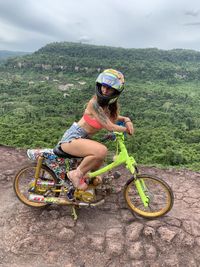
(97, 111)
(122, 118)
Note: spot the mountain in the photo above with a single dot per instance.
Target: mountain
(4, 54)
(145, 64)
(42, 93)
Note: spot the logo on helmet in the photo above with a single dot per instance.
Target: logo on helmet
(107, 81)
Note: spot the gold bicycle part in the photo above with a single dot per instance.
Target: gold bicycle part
(25, 180)
(85, 196)
(159, 194)
(96, 180)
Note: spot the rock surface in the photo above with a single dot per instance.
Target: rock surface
(109, 235)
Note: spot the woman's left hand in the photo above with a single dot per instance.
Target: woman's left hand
(129, 126)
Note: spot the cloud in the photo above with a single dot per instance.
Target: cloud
(85, 39)
(192, 13)
(26, 17)
(28, 24)
(192, 24)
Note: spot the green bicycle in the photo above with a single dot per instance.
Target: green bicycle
(38, 185)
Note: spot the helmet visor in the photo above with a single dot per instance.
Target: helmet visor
(110, 80)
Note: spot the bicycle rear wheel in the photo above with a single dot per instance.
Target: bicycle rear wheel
(159, 194)
(24, 179)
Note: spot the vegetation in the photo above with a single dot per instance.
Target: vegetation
(43, 93)
(4, 54)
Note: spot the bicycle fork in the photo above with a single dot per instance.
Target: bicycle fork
(139, 183)
(142, 190)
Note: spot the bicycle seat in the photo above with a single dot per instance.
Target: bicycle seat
(60, 153)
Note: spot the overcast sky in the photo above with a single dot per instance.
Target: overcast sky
(27, 25)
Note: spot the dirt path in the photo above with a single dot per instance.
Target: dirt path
(109, 235)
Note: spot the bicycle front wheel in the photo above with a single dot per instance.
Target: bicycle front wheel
(159, 194)
(24, 179)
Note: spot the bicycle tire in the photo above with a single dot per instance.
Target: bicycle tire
(25, 175)
(158, 191)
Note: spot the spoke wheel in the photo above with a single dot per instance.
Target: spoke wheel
(160, 196)
(24, 179)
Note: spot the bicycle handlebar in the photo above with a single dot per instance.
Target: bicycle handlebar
(109, 136)
(112, 136)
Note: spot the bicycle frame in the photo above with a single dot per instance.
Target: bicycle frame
(37, 175)
(121, 158)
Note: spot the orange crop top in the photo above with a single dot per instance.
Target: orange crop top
(92, 122)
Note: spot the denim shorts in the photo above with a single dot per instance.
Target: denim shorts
(74, 132)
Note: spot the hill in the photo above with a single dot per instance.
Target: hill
(145, 64)
(44, 92)
(4, 54)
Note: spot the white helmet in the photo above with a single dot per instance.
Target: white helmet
(109, 78)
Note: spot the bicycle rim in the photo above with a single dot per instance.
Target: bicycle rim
(160, 196)
(23, 180)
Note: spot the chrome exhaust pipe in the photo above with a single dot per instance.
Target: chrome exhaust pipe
(62, 201)
(49, 200)
(36, 198)
(100, 202)
(84, 204)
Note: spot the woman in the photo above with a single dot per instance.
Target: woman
(101, 112)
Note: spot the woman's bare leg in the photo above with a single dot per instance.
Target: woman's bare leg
(92, 152)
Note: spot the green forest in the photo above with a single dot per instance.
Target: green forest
(42, 93)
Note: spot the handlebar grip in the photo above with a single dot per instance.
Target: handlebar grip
(120, 123)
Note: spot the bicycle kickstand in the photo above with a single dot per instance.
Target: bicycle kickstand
(74, 214)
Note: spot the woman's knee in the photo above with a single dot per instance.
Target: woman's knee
(101, 152)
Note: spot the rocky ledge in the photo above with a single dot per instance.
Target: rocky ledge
(109, 235)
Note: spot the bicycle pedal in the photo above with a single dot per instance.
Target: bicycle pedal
(70, 193)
